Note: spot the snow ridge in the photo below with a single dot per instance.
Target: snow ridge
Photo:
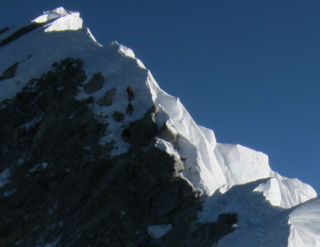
(216, 170)
(65, 20)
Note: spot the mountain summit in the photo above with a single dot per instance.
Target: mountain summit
(83, 164)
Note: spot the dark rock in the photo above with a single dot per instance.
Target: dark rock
(3, 30)
(144, 129)
(118, 116)
(107, 98)
(68, 189)
(90, 100)
(160, 164)
(166, 201)
(20, 32)
(95, 83)
(167, 134)
(226, 224)
(10, 72)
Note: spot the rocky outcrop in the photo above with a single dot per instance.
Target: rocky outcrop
(20, 32)
(95, 83)
(107, 98)
(65, 188)
(3, 30)
(166, 133)
(118, 116)
(10, 72)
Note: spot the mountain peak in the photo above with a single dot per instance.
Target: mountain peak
(73, 137)
(62, 20)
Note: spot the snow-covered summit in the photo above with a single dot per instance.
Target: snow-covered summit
(208, 166)
(64, 20)
(215, 170)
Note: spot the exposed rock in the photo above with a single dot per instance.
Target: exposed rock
(226, 224)
(20, 32)
(107, 98)
(95, 83)
(145, 128)
(66, 189)
(90, 100)
(3, 30)
(167, 134)
(10, 72)
(118, 116)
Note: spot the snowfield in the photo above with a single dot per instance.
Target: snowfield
(272, 210)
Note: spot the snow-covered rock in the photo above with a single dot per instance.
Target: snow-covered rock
(272, 210)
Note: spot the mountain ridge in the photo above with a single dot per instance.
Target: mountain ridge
(174, 153)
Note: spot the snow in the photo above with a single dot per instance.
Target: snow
(272, 210)
(285, 192)
(205, 173)
(305, 224)
(158, 231)
(4, 177)
(53, 244)
(69, 22)
(209, 166)
(38, 166)
(127, 51)
(272, 232)
(51, 14)
(31, 123)
(92, 37)
(166, 146)
(241, 165)
(8, 193)
(260, 224)
(236, 200)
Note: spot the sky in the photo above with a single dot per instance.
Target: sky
(248, 70)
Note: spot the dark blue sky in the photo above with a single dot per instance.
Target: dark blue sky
(249, 70)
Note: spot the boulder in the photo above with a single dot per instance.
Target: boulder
(167, 133)
(118, 116)
(10, 72)
(95, 83)
(107, 99)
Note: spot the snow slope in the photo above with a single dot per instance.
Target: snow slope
(216, 170)
(260, 224)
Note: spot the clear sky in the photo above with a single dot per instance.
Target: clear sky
(249, 69)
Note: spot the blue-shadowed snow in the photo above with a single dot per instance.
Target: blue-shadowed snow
(38, 167)
(53, 244)
(305, 224)
(159, 230)
(4, 177)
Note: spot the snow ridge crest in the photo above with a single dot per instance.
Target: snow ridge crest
(63, 20)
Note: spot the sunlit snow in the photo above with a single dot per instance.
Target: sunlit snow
(51, 14)
(232, 178)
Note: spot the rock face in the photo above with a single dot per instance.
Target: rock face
(66, 189)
